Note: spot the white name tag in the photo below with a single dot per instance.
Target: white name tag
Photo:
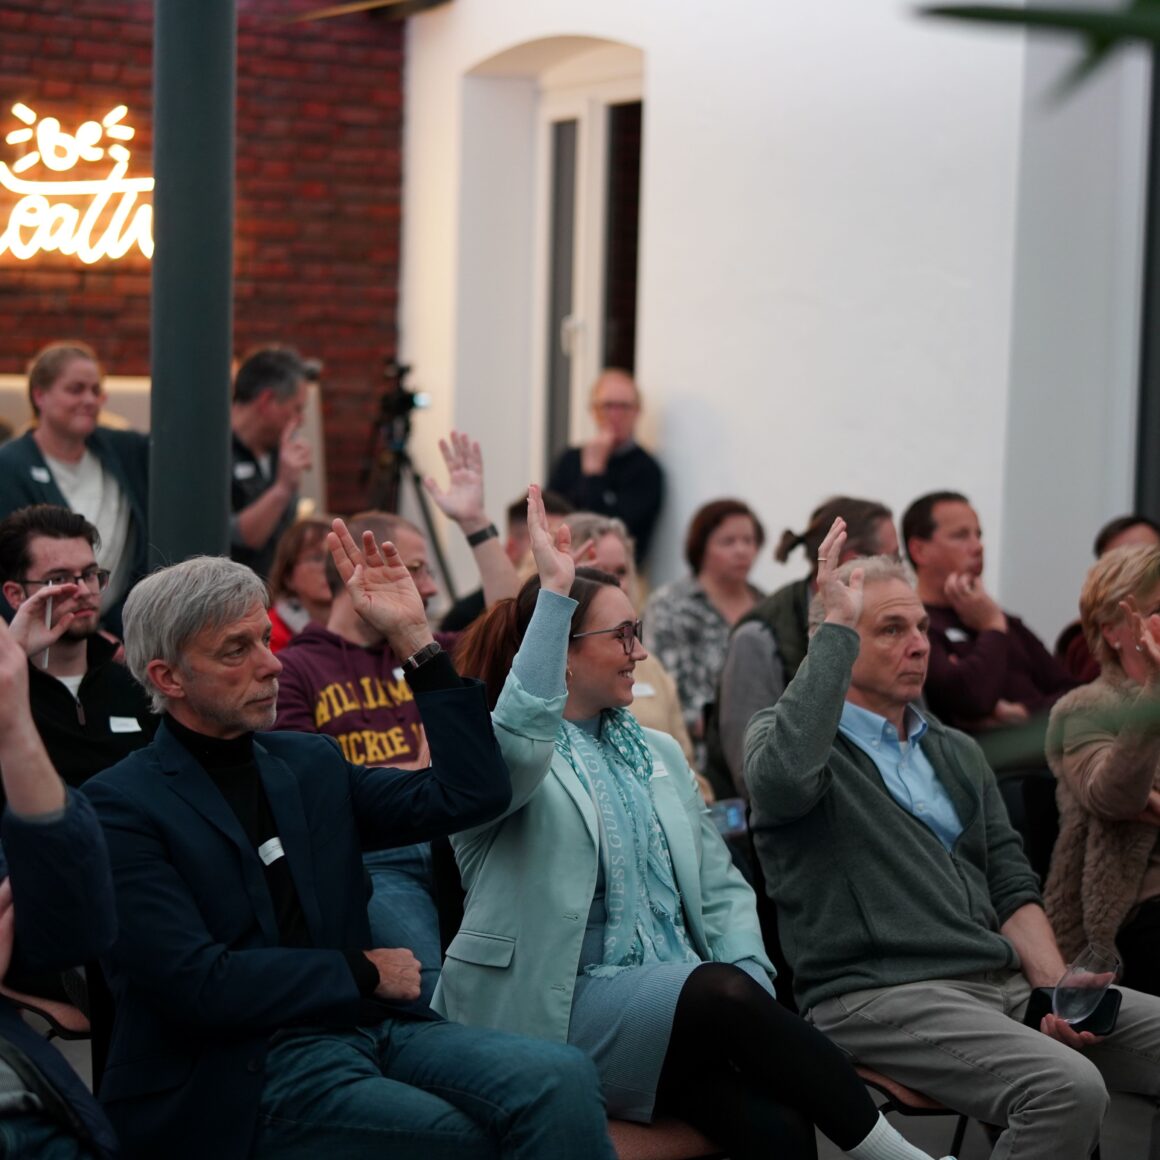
(270, 851)
(124, 725)
(659, 770)
(643, 689)
(40, 474)
(957, 635)
(397, 673)
(244, 471)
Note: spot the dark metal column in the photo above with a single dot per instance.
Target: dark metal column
(1148, 413)
(194, 55)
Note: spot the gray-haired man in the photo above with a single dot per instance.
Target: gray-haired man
(906, 907)
(254, 1017)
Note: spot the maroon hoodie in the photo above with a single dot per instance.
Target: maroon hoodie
(353, 693)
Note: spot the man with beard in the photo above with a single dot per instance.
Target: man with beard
(89, 711)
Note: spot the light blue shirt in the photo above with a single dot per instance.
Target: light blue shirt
(905, 769)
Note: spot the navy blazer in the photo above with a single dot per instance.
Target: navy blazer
(25, 479)
(198, 977)
(63, 896)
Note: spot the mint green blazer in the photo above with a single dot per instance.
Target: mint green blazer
(530, 877)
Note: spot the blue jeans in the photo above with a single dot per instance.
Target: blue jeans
(27, 1134)
(421, 1090)
(402, 908)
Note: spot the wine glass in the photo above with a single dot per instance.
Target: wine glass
(1082, 986)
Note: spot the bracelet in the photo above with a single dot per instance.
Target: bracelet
(483, 535)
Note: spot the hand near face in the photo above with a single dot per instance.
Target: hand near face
(1145, 635)
(294, 456)
(973, 604)
(381, 589)
(594, 455)
(463, 499)
(399, 973)
(842, 602)
(27, 627)
(553, 554)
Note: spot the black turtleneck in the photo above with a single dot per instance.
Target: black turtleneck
(232, 768)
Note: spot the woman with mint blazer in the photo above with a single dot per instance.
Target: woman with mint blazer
(603, 908)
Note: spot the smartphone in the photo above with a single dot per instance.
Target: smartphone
(1102, 1021)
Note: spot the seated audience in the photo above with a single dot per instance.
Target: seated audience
(89, 711)
(1103, 744)
(906, 907)
(989, 673)
(344, 680)
(687, 622)
(56, 911)
(655, 703)
(299, 592)
(67, 459)
(770, 641)
(1071, 649)
(603, 908)
(470, 607)
(611, 473)
(268, 453)
(255, 1017)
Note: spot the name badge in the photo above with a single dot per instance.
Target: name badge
(643, 689)
(397, 672)
(659, 770)
(40, 474)
(124, 725)
(244, 471)
(270, 851)
(957, 636)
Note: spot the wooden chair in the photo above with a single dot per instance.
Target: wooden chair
(660, 1140)
(906, 1101)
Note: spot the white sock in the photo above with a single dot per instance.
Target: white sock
(883, 1142)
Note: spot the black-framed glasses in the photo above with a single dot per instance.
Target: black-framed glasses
(94, 579)
(626, 633)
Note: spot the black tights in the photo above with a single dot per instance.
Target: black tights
(755, 1077)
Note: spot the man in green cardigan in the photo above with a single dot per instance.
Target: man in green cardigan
(911, 918)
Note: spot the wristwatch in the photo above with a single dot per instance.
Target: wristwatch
(483, 535)
(422, 656)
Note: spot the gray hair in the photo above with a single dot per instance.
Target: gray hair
(875, 570)
(172, 605)
(594, 526)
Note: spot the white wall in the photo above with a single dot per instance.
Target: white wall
(827, 252)
(1071, 441)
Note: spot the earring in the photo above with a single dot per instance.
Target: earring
(1116, 645)
(567, 675)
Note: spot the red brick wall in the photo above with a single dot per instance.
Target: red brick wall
(319, 131)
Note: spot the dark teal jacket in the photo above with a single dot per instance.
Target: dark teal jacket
(25, 479)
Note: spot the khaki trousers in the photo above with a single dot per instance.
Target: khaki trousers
(961, 1041)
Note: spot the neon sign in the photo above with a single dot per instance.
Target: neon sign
(94, 218)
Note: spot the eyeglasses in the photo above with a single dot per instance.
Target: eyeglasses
(94, 579)
(626, 633)
(614, 405)
(419, 570)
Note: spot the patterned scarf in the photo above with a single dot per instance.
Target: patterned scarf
(645, 922)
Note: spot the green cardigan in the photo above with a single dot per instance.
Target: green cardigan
(866, 894)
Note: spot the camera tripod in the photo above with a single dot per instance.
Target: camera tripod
(390, 466)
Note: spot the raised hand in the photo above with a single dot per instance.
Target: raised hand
(552, 554)
(975, 606)
(463, 499)
(28, 629)
(842, 601)
(381, 589)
